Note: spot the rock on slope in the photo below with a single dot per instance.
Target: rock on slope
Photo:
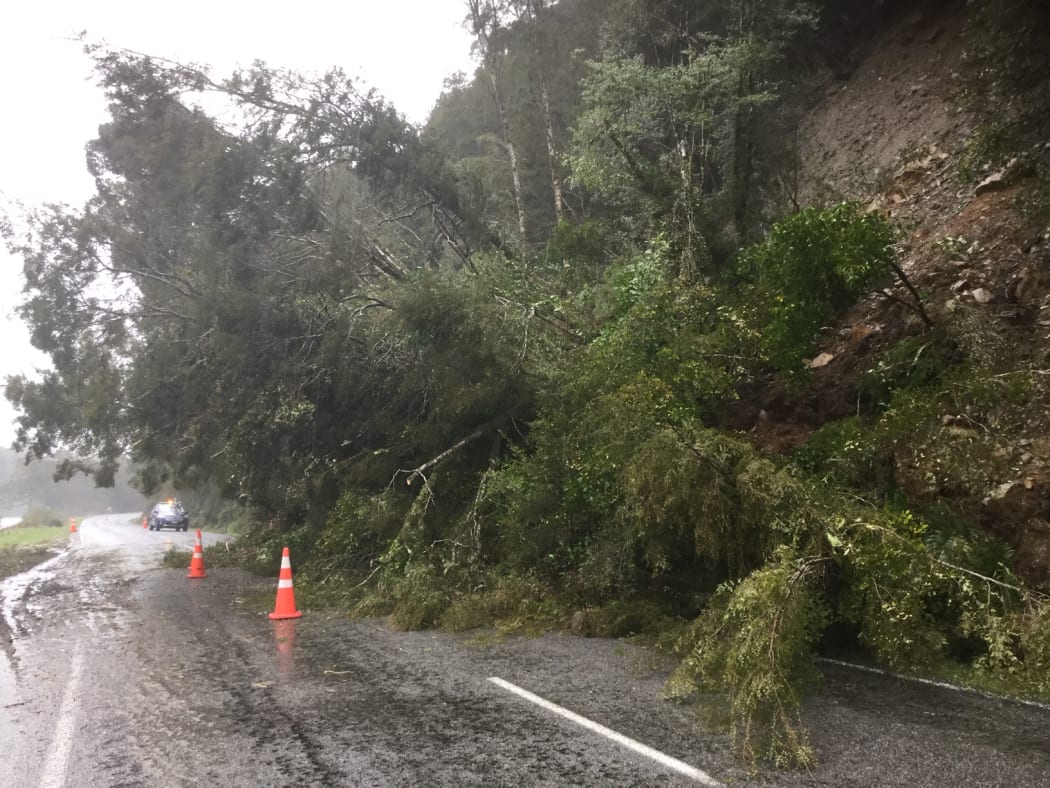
(892, 135)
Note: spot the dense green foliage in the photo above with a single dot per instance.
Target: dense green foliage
(479, 372)
(813, 265)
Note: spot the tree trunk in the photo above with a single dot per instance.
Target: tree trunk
(743, 158)
(687, 220)
(515, 172)
(743, 131)
(485, 22)
(552, 152)
(537, 10)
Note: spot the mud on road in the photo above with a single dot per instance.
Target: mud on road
(118, 673)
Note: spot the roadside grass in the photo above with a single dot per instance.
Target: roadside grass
(23, 536)
(176, 558)
(22, 548)
(492, 607)
(224, 554)
(227, 554)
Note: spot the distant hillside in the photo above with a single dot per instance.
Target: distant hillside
(24, 487)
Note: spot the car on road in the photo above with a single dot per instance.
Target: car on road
(169, 514)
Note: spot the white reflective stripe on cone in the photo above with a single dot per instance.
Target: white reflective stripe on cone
(286, 562)
(284, 583)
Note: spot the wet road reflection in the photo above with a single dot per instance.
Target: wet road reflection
(284, 639)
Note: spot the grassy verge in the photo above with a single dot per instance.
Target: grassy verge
(24, 548)
(19, 536)
(176, 558)
(221, 554)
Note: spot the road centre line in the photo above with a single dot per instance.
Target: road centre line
(54, 772)
(619, 738)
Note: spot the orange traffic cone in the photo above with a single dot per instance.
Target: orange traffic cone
(144, 523)
(72, 525)
(285, 605)
(197, 562)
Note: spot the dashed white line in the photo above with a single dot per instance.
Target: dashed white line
(624, 741)
(54, 772)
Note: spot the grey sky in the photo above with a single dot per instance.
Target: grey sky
(405, 48)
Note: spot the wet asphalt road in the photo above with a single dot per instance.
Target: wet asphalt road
(114, 672)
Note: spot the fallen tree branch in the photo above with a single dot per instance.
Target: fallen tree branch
(530, 312)
(418, 472)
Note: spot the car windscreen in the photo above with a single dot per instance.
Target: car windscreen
(167, 509)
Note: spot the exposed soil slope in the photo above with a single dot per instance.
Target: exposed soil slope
(893, 135)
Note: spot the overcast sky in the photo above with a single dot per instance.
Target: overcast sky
(405, 48)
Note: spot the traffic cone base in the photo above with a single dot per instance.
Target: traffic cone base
(197, 562)
(284, 607)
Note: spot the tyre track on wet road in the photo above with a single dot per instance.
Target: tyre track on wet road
(249, 704)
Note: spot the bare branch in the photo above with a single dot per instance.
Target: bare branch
(418, 472)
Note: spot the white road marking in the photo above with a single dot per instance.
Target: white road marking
(54, 772)
(619, 738)
(933, 683)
